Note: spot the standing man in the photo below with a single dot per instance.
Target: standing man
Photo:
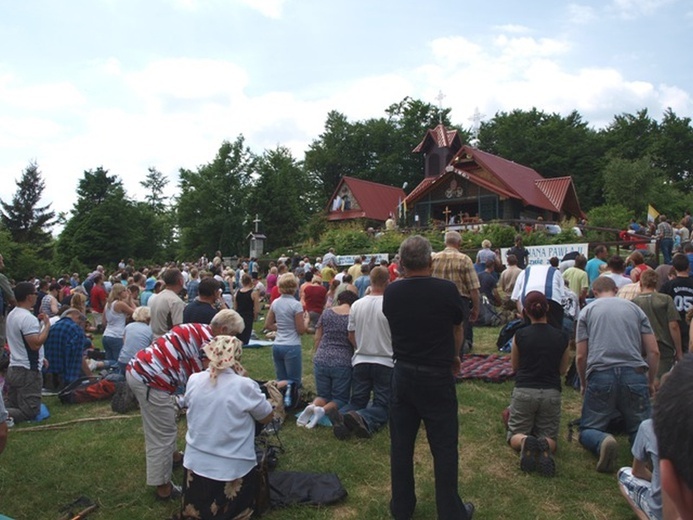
(521, 254)
(594, 264)
(616, 359)
(453, 265)
(6, 300)
(167, 308)
(681, 291)
(425, 314)
(665, 236)
(25, 335)
(97, 301)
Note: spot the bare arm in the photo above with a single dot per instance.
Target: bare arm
(581, 350)
(675, 331)
(256, 304)
(124, 307)
(515, 356)
(352, 338)
(474, 295)
(301, 319)
(316, 338)
(649, 343)
(270, 322)
(641, 470)
(35, 341)
(565, 362)
(268, 419)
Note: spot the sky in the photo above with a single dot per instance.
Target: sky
(128, 84)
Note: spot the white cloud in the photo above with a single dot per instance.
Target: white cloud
(39, 97)
(269, 8)
(635, 8)
(512, 28)
(581, 14)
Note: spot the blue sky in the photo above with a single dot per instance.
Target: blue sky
(129, 84)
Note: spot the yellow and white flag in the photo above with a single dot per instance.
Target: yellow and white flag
(652, 213)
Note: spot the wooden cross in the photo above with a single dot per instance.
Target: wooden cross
(447, 213)
(257, 222)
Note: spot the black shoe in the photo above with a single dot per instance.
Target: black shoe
(528, 454)
(338, 427)
(357, 425)
(469, 508)
(175, 494)
(546, 466)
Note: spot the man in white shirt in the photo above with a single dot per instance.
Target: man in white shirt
(369, 333)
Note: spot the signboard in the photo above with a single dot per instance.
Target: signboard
(540, 255)
(350, 259)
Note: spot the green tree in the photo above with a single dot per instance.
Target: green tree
(212, 205)
(155, 183)
(281, 197)
(672, 150)
(27, 222)
(551, 144)
(156, 218)
(100, 228)
(630, 136)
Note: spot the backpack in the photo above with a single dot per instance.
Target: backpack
(86, 390)
(507, 333)
(123, 401)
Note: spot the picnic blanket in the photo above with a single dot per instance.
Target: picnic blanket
(494, 368)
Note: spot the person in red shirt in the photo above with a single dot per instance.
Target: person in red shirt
(97, 301)
(313, 297)
(393, 268)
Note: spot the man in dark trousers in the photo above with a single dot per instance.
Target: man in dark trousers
(425, 316)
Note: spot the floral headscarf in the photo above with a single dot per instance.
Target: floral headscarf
(224, 352)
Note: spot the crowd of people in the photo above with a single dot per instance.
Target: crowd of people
(388, 338)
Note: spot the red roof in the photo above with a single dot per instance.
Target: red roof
(516, 181)
(440, 137)
(376, 201)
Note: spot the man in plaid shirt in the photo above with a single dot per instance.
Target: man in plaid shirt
(65, 346)
(451, 264)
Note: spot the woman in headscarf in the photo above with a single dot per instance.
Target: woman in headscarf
(221, 475)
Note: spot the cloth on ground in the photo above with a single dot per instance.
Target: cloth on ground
(494, 368)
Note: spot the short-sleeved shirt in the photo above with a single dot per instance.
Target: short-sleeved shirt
(285, 309)
(314, 296)
(577, 279)
(371, 330)
(487, 284)
(421, 312)
(681, 290)
(450, 264)
(138, 336)
(592, 268)
(171, 359)
(645, 449)
(660, 310)
(20, 323)
(543, 278)
(199, 312)
(97, 298)
(167, 312)
(334, 349)
(613, 328)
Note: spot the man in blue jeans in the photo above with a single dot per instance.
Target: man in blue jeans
(613, 335)
(372, 363)
(425, 316)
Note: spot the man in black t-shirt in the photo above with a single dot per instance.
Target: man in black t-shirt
(520, 252)
(425, 316)
(208, 302)
(681, 290)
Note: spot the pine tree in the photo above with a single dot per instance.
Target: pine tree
(27, 222)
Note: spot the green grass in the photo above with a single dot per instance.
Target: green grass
(42, 470)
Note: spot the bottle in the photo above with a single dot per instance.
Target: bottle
(287, 396)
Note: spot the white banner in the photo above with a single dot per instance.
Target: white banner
(350, 259)
(541, 254)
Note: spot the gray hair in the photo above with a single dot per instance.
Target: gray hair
(141, 314)
(453, 238)
(228, 322)
(415, 252)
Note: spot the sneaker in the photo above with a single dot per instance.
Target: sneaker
(546, 465)
(608, 455)
(305, 416)
(356, 425)
(10, 421)
(338, 427)
(528, 454)
(175, 494)
(469, 509)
